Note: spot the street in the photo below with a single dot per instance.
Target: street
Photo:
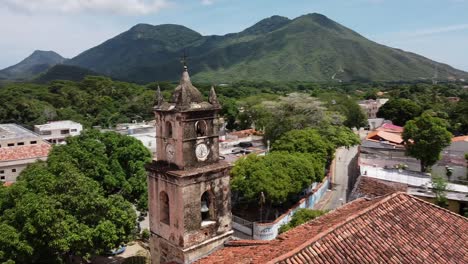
(337, 197)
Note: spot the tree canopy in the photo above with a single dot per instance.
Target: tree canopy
(399, 111)
(425, 137)
(51, 217)
(279, 175)
(115, 161)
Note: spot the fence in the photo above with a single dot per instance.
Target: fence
(269, 231)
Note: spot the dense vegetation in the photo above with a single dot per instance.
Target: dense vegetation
(77, 204)
(298, 158)
(308, 48)
(300, 217)
(425, 137)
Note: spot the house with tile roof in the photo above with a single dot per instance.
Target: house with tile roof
(19, 147)
(396, 228)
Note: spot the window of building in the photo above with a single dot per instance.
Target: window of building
(201, 128)
(65, 131)
(11, 144)
(2, 178)
(206, 208)
(13, 170)
(2, 171)
(20, 144)
(33, 142)
(74, 130)
(164, 208)
(168, 129)
(46, 133)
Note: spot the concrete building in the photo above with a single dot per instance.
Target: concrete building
(371, 107)
(144, 132)
(19, 147)
(56, 132)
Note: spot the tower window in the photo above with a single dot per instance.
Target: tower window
(164, 208)
(168, 129)
(201, 128)
(206, 209)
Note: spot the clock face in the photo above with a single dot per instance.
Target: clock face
(202, 151)
(170, 152)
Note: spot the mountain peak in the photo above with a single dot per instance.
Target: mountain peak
(34, 64)
(267, 25)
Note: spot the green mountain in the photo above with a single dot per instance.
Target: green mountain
(38, 62)
(64, 72)
(308, 48)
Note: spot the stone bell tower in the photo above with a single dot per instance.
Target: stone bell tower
(188, 184)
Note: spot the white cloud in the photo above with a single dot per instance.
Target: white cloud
(437, 30)
(130, 7)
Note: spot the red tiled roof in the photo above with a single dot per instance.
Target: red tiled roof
(370, 188)
(391, 128)
(460, 138)
(390, 137)
(8, 184)
(397, 228)
(24, 152)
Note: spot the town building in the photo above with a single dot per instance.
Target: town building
(145, 132)
(417, 183)
(371, 107)
(396, 228)
(56, 132)
(19, 147)
(188, 185)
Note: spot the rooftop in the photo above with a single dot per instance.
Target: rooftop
(24, 152)
(387, 136)
(396, 228)
(57, 125)
(460, 139)
(14, 131)
(368, 187)
(411, 178)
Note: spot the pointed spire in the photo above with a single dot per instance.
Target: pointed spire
(213, 99)
(159, 99)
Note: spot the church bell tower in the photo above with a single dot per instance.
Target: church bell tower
(188, 184)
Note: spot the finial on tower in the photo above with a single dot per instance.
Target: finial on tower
(159, 99)
(213, 99)
(183, 60)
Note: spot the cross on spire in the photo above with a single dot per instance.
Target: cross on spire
(184, 58)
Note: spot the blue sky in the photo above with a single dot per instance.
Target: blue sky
(437, 29)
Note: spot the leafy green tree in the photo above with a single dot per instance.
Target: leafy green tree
(300, 217)
(115, 161)
(399, 111)
(339, 136)
(354, 115)
(425, 137)
(305, 141)
(439, 187)
(58, 216)
(279, 175)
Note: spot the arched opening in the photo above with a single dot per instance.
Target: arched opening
(168, 129)
(201, 128)
(207, 208)
(164, 208)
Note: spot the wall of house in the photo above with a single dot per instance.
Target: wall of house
(269, 231)
(10, 170)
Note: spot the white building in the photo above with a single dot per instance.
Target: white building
(56, 132)
(19, 147)
(144, 132)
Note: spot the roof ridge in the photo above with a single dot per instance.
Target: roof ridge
(438, 207)
(334, 227)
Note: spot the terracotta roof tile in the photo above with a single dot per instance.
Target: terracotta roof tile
(396, 228)
(387, 136)
(367, 187)
(24, 152)
(460, 138)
